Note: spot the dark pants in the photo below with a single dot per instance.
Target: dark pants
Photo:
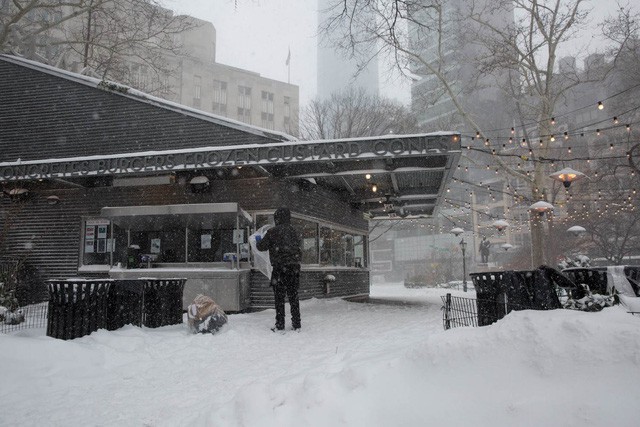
(285, 280)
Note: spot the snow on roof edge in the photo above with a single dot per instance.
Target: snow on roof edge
(150, 99)
(19, 162)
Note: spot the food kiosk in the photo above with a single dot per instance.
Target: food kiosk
(205, 243)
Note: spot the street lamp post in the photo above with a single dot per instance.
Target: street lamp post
(463, 245)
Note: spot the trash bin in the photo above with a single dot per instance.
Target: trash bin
(126, 303)
(145, 302)
(163, 302)
(499, 292)
(77, 307)
(595, 278)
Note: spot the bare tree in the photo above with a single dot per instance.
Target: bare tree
(354, 113)
(520, 54)
(128, 41)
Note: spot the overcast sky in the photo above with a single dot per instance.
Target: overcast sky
(257, 34)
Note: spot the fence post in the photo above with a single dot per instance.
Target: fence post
(506, 304)
(447, 313)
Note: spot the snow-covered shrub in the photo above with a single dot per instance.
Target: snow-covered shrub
(7, 297)
(579, 261)
(590, 302)
(14, 317)
(9, 305)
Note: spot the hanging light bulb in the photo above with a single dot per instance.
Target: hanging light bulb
(374, 188)
(600, 105)
(368, 176)
(566, 135)
(513, 131)
(598, 132)
(553, 120)
(628, 127)
(615, 120)
(553, 138)
(477, 134)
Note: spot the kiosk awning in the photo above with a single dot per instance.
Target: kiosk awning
(201, 215)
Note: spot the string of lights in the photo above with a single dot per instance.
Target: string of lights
(600, 105)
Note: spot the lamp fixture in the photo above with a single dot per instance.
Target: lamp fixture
(567, 176)
(457, 231)
(541, 207)
(199, 184)
(16, 194)
(576, 230)
(506, 246)
(53, 200)
(500, 224)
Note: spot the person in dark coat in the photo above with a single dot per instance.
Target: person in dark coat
(484, 250)
(283, 244)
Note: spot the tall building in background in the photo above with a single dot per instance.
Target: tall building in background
(192, 77)
(480, 94)
(228, 91)
(336, 72)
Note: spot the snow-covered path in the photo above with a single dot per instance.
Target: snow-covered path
(352, 364)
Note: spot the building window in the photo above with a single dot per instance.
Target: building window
(244, 104)
(340, 248)
(219, 97)
(267, 110)
(98, 241)
(287, 107)
(197, 91)
(324, 245)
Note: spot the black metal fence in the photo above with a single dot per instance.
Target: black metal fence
(24, 300)
(464, 311)
(26, 317)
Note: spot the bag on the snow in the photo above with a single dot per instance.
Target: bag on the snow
(261, 259)
(204, 315)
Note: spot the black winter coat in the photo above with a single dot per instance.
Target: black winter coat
(282, 241)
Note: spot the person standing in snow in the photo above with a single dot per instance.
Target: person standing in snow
(484, 250)
(283, 243)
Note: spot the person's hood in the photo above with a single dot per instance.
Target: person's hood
(282, 216)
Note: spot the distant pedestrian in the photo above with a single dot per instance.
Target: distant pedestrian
(283, 243)
(484, 250)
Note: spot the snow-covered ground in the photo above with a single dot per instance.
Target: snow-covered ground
(352, 364)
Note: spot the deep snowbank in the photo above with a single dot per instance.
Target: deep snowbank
(352, 364)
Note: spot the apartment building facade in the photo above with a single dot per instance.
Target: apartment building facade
(188, 75)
